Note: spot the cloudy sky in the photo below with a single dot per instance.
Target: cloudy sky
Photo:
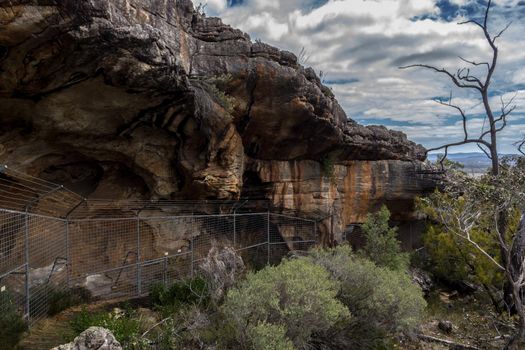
(358, 46)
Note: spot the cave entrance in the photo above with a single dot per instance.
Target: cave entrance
(253, 187)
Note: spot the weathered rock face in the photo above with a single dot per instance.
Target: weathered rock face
(147, 98)
(347, 194)
(93, 338)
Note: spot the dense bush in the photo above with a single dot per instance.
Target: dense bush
(62, 299)
(451, 258)
(267, 336)
(186, 292)
(382, 301)
(382, 245)
(12, 325)
(50, 299)
(297, 298)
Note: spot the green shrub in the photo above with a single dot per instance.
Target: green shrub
(62, 299)
(187, 292)
(267, 336)
(328, 166)
(216, 86)
(12, 325)
(382, 301)
(382, 245)
(451, 258)
(124, 324)
(48, 299)
(295, 295)
(166, 335)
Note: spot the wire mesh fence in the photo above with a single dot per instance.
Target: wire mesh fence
(121, 249)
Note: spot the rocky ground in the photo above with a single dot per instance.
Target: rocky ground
(467, 321)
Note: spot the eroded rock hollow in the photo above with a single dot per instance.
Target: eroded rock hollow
(150, 99)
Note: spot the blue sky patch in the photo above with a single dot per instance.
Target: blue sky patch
(341, 81)
(232, 3)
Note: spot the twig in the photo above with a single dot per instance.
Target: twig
(155, 326)
(450, 343)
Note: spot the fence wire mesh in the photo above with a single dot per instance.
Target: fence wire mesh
(52, 240)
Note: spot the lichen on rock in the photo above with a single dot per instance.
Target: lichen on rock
(93, 338)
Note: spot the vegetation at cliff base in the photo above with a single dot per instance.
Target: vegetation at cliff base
(281, 296)
(326, 298)
(382, 246)
(12, 325)
(382, 301)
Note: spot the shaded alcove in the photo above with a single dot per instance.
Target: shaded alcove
(253, 187)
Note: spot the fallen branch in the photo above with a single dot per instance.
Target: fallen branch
(155, 326)
(449, 343)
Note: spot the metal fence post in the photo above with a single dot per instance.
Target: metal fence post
(268, 234)
(315, 232)
(192, 244)
(165, 272)
(68, 262)
(28, 306)
(139, 281)
(234, 228)
(236, 207)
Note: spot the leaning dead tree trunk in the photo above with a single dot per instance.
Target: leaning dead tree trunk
(517, 253)
(516, 276)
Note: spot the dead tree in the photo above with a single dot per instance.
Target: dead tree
(487, 140)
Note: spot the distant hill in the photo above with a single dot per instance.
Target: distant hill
(475, 162)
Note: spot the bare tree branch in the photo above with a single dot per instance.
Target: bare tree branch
(459, 143)
(465, 80)
(501, 32)
(474, 63)
(459, 109)
(484, 151)
(473, 22)
(453, 77)
(464, 223)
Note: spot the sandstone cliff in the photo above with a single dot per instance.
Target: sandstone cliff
(148, 98)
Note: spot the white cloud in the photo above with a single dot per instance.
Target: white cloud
(519, 76)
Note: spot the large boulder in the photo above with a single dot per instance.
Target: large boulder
(93, 338)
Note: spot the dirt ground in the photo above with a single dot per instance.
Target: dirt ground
(474, 323)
